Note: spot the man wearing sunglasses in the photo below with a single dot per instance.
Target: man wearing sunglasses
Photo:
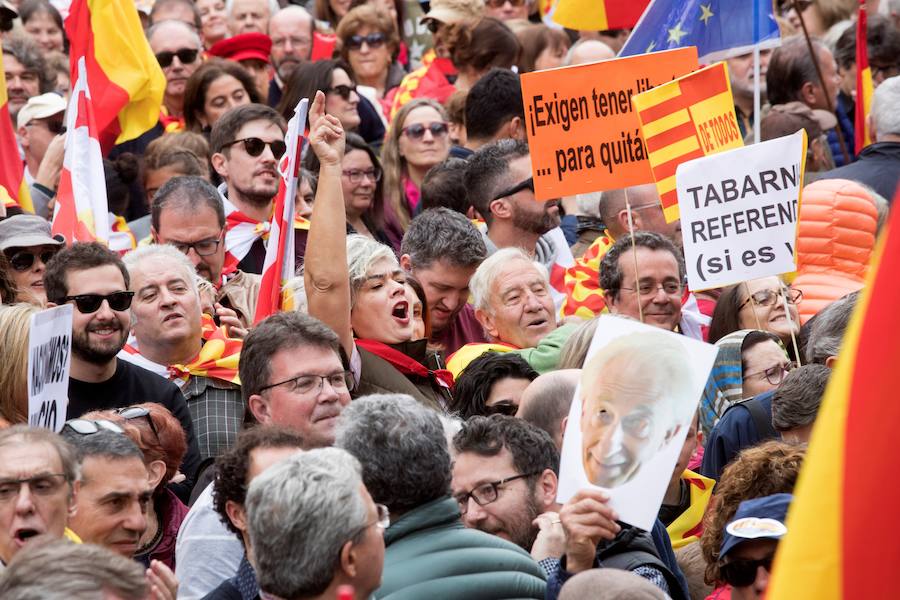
(28, 245)
(39, 121)
(94, 280)
(177, 48)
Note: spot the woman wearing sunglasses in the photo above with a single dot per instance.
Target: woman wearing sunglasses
(417, 140)
(356, 287)
(749, 362)
(212, 90)
(28, 246)
(160, 437)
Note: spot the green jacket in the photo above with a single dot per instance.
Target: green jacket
(430, 555)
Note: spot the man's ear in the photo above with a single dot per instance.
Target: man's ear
(220, 164)
(405, 263)
(562, 431)
(610, 300)
(236, 514)
(547, 485)
(515, 129)
(156, 470)
(831, 362)
(73, 498)
(500, 209)
(23, 137)
(259, 407)
(487, 322)
(622, 220)
(870, 123)
(808, 93)
(349, 560)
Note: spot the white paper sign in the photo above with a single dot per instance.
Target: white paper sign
(739, 211)
(640, 387)
(49, 358)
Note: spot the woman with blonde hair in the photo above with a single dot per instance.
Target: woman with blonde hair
(15, 321)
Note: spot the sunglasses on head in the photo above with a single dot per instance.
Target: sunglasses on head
(255, 146)
(343, 91)
(185, 55)
(89, 427)
(138, 412)
(373, 40)
(741, 573)
(417, 131)
(90, 303)
(24, 260)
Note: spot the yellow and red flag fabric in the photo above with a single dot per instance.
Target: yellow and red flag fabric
(584, 298)
(278, 266)
(690, 117)
(841, 531)
(864, 86)
(127, 80)
(598, 15)
(13, 187)
(81, 213)
(688, 526)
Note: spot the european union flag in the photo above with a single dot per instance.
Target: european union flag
(719, 28)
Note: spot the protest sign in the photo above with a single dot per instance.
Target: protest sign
(685, 119)
(639, 390)
(582, 130)
(49, 358)
(739, 211)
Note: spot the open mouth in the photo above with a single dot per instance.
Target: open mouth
(539, 323)
(22, 536)
(401, 312)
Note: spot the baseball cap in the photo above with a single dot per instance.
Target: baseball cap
(454, 11)
(759, 518)
(24, 231)
(8, 10)
(40, 107)
(785, 119)
(244, 46)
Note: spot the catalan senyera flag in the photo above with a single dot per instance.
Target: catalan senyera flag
(278, 266)
(864, 86)
(81, 213)
(13, 187)
(125, 76)
(598, 15)
(690, 117)
(842, 534)
(584, 298)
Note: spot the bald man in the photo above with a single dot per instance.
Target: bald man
(588, 51)
(545, 402)
(646, 213)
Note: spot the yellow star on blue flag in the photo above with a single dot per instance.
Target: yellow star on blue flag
(676, 33)
(707, 13)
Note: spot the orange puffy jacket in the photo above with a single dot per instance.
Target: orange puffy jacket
(835, 239)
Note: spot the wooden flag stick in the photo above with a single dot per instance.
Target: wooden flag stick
(634, 256)
(787, 315)
(753, 306)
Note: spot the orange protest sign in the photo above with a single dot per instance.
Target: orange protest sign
(685, 119)
(582, 129)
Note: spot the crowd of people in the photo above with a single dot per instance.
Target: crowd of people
(398, 432)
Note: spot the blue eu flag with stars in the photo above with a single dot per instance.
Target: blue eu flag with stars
(719, 28)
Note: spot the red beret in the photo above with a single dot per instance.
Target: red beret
(244, 46)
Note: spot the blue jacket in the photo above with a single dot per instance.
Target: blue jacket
(844, 113)
(735, 431)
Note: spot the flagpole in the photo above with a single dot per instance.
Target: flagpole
(637, 277)
(756, 94)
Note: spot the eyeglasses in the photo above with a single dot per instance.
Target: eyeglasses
(24, 260)
(671, 288)
(383, 520)
(356, 175)
(185, 55)
(741, 572)
(416, 131)
(303, 385)
(502, 408)
(528, 184)
(202, 248)
(90, 303)
(54, 127)
(373, 40)
(500, 3)
(45, 484)
(774, 375)
(139, 412)
(486, 493)
(89, 427)
(255, 146)
(342, 90)
(769, 297)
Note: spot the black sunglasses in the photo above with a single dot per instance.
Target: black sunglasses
(374, 40)
(741, 573)
(255, 146)
(185, 55)
(416, 131)
(138, 412)
(343, 91)
(90, 303)
(24, 260)
(528, 184)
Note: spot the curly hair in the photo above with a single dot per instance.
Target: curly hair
(769, 468)
(474, 384)
(532, 449)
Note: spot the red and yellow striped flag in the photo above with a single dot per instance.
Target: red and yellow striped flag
(690, 117)
(864, 86)
(13, 187)
(598, 15)
(126, 79)
(842, 533)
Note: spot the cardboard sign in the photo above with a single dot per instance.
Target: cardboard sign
(639, 390)
(582, 129)
(739, 211)
(685, 119)
(49, 359)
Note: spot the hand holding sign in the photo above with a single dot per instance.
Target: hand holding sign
(49, 359)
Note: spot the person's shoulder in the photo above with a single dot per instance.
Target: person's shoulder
(152, 386)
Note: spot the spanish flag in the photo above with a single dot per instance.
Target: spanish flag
(864, 86)
(598, 15)
(842, 530)
(126, 79)
(13, 187)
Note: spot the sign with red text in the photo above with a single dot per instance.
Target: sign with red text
(583, 132)
(49, 359)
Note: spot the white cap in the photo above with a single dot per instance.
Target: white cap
(40, 107)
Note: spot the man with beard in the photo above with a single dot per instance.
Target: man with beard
(246, 144)
(291, 30)
(505, 480)
(94, 279)
(501, 188)
(740, 71)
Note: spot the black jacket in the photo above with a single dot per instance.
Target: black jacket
(877, 166)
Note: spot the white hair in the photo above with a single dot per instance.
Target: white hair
(362, 254)
(884, 108)
(165, 252)
(162, 24)
(483, 280)
(272, 5)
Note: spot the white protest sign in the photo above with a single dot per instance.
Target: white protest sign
(639, 390)
(49, 358)
(739, 211)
